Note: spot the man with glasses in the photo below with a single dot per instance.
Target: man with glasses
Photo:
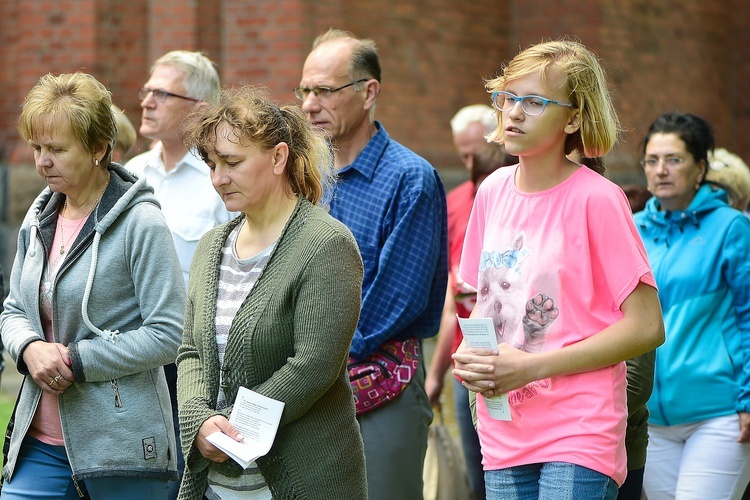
(394, 203)
(179, 80)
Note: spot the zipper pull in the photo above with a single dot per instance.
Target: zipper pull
(118, 401)
(78, 488)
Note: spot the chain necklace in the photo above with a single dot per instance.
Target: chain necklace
(65, 207)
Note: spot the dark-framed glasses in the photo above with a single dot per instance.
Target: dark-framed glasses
(301, 93)
(161, 95)
(532, 105)
(668, 161)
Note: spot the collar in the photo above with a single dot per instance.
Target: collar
(191, 159)
(364, 163)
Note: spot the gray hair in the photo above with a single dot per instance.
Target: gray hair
(476, 113)
(201, 79)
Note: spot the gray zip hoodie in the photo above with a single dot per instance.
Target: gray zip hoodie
(118, 302)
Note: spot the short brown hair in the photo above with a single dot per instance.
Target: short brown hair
(76, 99)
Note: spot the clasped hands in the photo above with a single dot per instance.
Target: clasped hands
(493, 372)
(49, 366)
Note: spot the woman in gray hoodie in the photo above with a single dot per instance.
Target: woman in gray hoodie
(95, 309)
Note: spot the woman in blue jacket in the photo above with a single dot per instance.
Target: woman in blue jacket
(699, 249)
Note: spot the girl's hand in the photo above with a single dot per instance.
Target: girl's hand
(49, 366)
(492, 373)
(474, 367)
(209, 426)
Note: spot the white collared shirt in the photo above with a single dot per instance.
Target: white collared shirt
(189, 202)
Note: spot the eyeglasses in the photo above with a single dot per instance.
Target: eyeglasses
(532, 105)
(668, 161)
(161, 95)
(301, 93)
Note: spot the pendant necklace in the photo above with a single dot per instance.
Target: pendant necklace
(50, 271)
(85, 217)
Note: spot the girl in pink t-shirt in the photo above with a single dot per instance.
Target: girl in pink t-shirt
(559, 267)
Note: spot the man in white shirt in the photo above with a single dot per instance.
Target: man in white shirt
(179, 81)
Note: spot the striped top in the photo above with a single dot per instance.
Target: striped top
(236, 279)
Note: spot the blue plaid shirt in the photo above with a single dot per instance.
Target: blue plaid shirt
(393, 201)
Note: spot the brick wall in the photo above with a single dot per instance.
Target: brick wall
(660, 55)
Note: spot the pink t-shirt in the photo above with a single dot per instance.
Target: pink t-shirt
(552, 268)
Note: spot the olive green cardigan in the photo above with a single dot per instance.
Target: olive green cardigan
(289, 341)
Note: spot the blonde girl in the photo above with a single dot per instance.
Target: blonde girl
(559, 267)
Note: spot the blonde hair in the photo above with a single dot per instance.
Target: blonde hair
(126, 135)
(728, 170)
(76, 100)
(586, 88)
(251, 114)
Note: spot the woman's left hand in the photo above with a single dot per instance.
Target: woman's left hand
(744, 427)
(492, 373)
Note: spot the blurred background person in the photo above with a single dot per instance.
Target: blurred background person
(731, 173)
(699, 248)
(126, 135)
(470, 126)
(637, 195)
(84, 321)
(274, 298)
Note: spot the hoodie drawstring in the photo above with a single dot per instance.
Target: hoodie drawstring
(106, 334)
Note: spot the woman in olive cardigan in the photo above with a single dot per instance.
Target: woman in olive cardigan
(289, 339)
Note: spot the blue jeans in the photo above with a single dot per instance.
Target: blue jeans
(43, 471)
(469, 440)
(549, 481)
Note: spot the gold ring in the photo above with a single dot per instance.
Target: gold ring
(54, 380)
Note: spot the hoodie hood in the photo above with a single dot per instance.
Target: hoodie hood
(661, 225)
(123, 191)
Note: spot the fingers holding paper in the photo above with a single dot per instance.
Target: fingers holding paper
(493, 372)
(216, 423)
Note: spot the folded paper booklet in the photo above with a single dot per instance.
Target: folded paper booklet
(257, 418)
(479, 333)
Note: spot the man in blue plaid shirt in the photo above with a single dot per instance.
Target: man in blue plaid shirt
(394, 203)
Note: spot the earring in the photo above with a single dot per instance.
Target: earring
(96, 162)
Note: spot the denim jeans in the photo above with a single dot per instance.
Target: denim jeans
(43, 471)
(549, 481)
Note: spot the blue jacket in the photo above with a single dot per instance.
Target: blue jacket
(701, 262)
